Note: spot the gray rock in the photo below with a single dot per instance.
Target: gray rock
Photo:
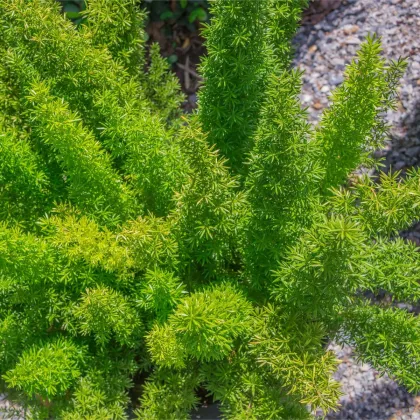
(413, 151)
(352, 40)
(336, 80)
(337, 61)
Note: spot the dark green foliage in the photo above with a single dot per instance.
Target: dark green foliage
(182, 12)
(162, 87)
(134, 252)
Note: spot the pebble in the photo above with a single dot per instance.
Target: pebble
(337, 61)
(317, 105)
(350, 29)
(352, 40)
(336, 80)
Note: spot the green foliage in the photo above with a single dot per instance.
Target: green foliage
(90, 402)
(206, 325)
(293, 354)
(387, 337)
(282, 24)
(215, 253)
(228, 109)
(86, 167)
(117, 26)
(247, 391)
(382, 208)
(22, 180)
(162, 87)
(353, 126)
(323, 270)
(169, 395)
(394, 266)
(282, 176)
(47, 370)
(159, 293)
(208, 207)
(103, 312)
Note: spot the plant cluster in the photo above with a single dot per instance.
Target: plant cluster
(217, 252)
(185, 12)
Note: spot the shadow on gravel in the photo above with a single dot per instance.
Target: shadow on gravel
(317, 13)
(405, 142)
(387, 401)
(207, 412)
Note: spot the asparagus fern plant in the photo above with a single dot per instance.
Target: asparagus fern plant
(217, 252)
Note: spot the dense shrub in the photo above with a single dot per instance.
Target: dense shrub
(219, 251)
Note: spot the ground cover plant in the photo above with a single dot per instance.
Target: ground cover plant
(213, 253)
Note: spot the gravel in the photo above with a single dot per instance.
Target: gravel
(8, 410)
